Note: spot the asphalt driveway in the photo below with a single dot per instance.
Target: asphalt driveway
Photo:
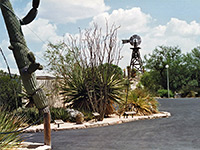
(179, 132)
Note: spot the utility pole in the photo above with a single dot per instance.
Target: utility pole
(25, 60)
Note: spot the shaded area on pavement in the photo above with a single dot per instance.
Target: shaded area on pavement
(180, 131)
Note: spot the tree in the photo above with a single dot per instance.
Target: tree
(61, 57)
(114, 69)
(88, 68)
(10, 88)
(149, 80)
(156, 63)
(183, 70)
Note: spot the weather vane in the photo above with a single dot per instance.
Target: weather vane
(136, 61)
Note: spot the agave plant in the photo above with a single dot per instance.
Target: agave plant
(9, 123)
(141, 102)
(141, 105)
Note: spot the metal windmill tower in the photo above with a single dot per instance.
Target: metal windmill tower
(136, 61)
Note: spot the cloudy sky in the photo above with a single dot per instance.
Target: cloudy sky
(158, 22)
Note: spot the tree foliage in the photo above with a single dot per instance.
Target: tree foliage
(191, 71)
(183, 70)
(10, 87)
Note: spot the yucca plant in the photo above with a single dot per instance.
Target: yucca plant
(82, 91)
(74, 89)
(115, 91)
(9, 123)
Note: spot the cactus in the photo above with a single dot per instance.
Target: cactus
(25, 59)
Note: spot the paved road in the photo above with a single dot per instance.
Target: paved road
(179, 132)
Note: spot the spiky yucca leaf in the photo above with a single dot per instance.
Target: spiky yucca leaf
(9, 123)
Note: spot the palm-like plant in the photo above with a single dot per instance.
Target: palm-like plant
(115, 92)
(74, 90)
(9, 123)
(80, 86)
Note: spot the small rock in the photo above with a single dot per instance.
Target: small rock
(73, 113)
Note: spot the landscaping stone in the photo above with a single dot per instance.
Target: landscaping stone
(73, 113)
(79, 118)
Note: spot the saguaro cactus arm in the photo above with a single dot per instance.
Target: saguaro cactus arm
(31, 14)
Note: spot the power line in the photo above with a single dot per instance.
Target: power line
(37, 35)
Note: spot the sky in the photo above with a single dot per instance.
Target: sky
(157, 22)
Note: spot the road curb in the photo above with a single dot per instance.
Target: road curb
(33, 146)
(41, 146)
(98, 123)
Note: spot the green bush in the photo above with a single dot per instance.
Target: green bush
(59, 113)
(32, 114)
(192, 94)
(140, 101)
(164, 93)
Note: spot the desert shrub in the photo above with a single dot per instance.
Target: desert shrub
(87, 115)
(192, 94)
(33, 115)
(80, 90)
